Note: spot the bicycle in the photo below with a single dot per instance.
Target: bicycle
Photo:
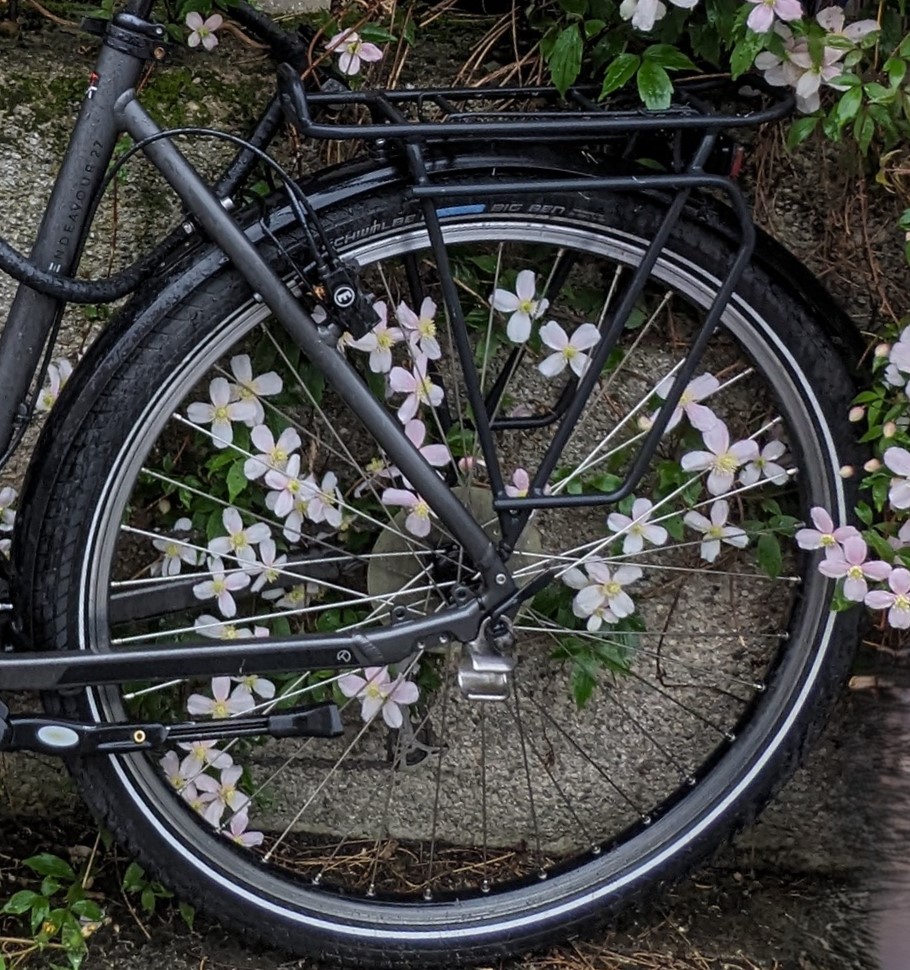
(472, 740)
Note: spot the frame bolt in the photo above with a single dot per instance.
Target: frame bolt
(139, 737)
(500, 579)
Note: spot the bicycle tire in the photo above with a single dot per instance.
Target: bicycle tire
(89, 460)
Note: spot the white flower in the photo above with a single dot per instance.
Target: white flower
(700, 416)
(645, 13)
(7, 513)
(239, 541)
(237, 831)
(897, 460)
(175, 552)
(421, 330)
(223, 703)
(568, 351)
(716, 530)
(268, 569)
(220, 587)
(325, 504)
(521, 305)
(272, 454)
(637, 529)
(221, 794)
(249, 388)
(379, 342)
(418, 519)
(722, 459)
(203, 31)
(353, 51)
(824, 535)
(378, 692)
(58, 373)
(600, 593)
(221, 412)
(765, 465)
(418, 387)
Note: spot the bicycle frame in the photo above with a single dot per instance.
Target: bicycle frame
(109, 108)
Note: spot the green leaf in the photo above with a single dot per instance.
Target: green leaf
(47, 864)
(376, 34)
(895, 68)
(147, 899)
(583, 684)
(577, 8)
(800, 130)
(565, 59)
(879, 544)
(88, 909)
(21, 901)
(769, 555)
(668, 57)
(848, 105)
(621, 70)
(744, 53)
(863, 131)
(593, 27)
(236, 480)
(134, 878)
(654, 86)
(187, 914)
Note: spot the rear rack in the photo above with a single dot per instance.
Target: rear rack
(517, 113)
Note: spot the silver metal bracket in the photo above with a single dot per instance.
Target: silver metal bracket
(485, 673)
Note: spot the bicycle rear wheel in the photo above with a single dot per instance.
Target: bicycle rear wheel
(665, 681)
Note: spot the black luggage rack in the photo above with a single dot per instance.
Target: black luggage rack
(516, 113)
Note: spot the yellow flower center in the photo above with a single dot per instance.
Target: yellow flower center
(827, 540)
(855, 572)
(569, 352)
(278, 456)
(426, 328)
(715, 532)
(611, 589)
(526, 306)
(220, 709)
(726, 462)
(221, 413)
(901, 602)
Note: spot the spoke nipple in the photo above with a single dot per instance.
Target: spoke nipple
(730, 736)
(443, 639)
(257, 297)
(691, 781)
(646, 820)
(541, 875)
(317, 879)
(759, 687)
(485, 886)
(421, 644)
(371, 890)
(428, 894)
(596, 850)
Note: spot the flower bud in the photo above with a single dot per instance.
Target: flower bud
(644, 423)
(856, 414)
(872, 465)
(465, 464)
(164, 506)
(847, 471)
(889, 430)
(882, 350)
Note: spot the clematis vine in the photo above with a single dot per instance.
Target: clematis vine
(700, 415)
(896, 600)
(203, 31)
(600, 595)
(174, 552)
(58, 373)
(568, 351)
(824, 535)
(417, 521)
(272, 454)
(249, 388)
(420, 330)
(418, 387)
(522, 306)
(221, 586)
(221, 412)
(377, 692)
(715, 530)
(850, 563)
(352, 52)
(721, 460)
(378, 343)
(636, 529)
(239, 541)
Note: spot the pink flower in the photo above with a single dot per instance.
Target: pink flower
(898, 461)
(418, 520)
(378, 343)
(824, 535)
(220, 587)
(897, 602)
(765, 465)
(237, 831)
(58, 373)
(761, 19)
(722, 459)
(418, 387)
(175, 552)
(436, 455)
(700, 416)
(521, 482)
(203, 31)
(637, 529)
(601, 590)
(223, 702)
(325, 504)
(522, 306)
(849, 564)
(353, 51)
(221, 794)
(568, 350)
(221, 412)
(832, 19)
(378, 692)
(249, 388)
(715, 530)
(421, 330)
(272, 454)
(239, 541)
